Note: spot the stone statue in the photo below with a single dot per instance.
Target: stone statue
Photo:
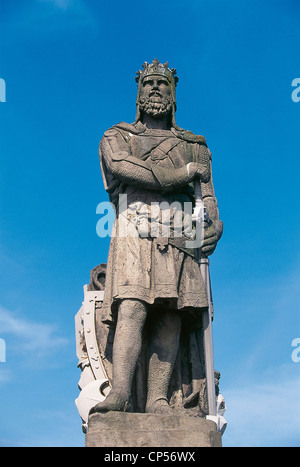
(148, 326)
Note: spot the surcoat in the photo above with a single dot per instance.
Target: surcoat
(149, 166)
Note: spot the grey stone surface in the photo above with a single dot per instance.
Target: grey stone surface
(149, 327)
(147, 336)
(117, 429)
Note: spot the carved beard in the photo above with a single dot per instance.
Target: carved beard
(155, 106)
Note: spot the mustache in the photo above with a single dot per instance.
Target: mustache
(155, 93)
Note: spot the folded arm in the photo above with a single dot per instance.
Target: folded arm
(117, 162)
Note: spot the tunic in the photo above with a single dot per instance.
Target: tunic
(152, 261)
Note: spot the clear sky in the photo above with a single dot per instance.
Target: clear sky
(69, 68)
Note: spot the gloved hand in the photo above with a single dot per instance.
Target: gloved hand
(211, 238)
(199, 170)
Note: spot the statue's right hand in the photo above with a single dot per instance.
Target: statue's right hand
(194, 170)
(171, 179)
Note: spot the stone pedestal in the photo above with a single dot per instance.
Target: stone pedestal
(116, 429)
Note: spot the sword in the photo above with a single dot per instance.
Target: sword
(199, 215)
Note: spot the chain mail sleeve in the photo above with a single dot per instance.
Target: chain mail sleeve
(211, 204)
(117, 164)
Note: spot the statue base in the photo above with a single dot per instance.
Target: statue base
(119, 429)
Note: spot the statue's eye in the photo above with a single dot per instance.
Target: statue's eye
(149, 83)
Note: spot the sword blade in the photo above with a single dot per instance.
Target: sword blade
(207, 319)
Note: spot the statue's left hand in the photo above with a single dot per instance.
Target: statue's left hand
(210, 240)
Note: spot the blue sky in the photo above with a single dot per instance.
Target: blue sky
(69, 68)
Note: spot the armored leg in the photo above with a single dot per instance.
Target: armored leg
(127, 346)
(163, 352)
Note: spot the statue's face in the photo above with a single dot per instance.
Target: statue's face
(156, 96)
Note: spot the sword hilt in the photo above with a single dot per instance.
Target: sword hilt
(199, 209)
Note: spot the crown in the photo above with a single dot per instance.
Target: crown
(157, 68)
